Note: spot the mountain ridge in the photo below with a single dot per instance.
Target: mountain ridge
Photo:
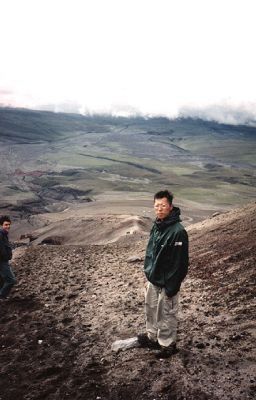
(57, 121)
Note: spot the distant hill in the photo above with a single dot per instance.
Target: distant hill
(21, 125)
(32, 125)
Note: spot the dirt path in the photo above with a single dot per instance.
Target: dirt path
(73, 302)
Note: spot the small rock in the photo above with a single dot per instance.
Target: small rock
(125, 344)
(200, 345)
(235, 337)
(134, 259)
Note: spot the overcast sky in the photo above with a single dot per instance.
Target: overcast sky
(168, 57)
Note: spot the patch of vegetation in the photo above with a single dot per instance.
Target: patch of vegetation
(203, 161)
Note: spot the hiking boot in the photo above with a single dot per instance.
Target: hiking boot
(144, 341)
(167, 352)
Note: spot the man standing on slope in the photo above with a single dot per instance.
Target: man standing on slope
(166, 265)
(5, 255)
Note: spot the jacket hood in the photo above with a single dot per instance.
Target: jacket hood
(172, 218)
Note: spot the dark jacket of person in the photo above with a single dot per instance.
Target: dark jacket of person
(5, 246)
(166, 261)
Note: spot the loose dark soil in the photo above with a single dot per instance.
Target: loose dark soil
(73, 302)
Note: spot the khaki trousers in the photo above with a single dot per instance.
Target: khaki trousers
(161, 315)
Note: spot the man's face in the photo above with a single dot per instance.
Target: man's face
(162, 208)
(6, 226)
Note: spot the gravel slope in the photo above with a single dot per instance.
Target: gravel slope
(72, 302)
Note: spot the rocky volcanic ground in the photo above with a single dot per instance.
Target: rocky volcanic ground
(73, 302)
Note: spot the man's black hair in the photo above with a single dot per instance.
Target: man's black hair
(164, 193)
(4, 218)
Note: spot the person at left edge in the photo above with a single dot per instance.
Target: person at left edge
(6, 272)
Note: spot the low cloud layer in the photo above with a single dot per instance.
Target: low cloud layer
(239, 114)
(223, 113)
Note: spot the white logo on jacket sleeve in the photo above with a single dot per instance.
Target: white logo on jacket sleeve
(178, 244)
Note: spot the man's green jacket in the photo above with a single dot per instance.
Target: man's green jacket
(166, 261)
